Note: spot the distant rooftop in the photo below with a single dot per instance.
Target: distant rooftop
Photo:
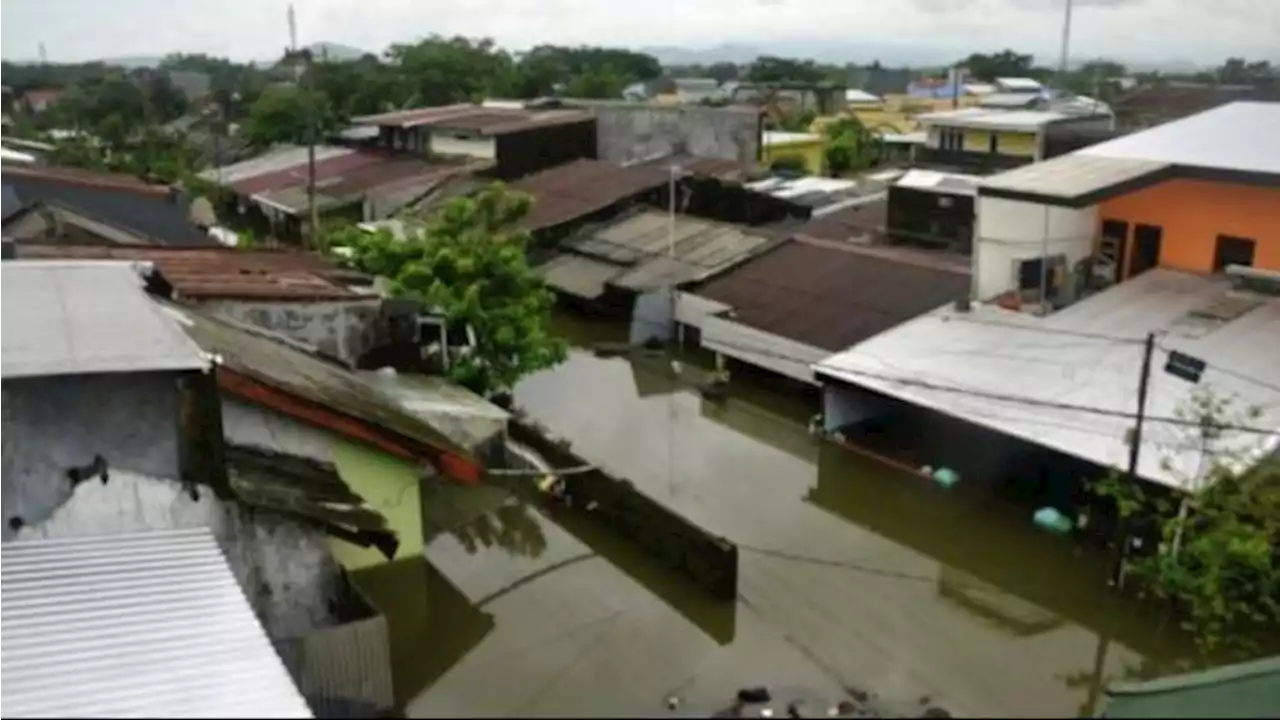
(466, 117)
(79, 318)
(990, 119)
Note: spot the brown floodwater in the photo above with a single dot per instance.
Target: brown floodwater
(852, 574)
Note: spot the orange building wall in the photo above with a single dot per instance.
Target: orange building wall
(1193, 213)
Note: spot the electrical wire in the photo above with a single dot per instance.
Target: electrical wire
(995, 396)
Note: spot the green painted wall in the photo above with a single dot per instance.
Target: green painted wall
(389, 485)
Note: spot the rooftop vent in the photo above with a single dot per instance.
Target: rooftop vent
(1243, 277)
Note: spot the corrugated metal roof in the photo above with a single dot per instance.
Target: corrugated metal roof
(296, 370)
(476, 118)
(1072, 177)
(1009, 100)
(74, 318)
(329, 167)
(578, 276)
(854, 95)
(567, 192)
(1101, 373)
(1239, 136)
(989, 119)
(1016, 84)
(940, 182)
(281, 159)
(831, 296)
(229, 273)
(859, 223)
(641, 245)
(139, 625)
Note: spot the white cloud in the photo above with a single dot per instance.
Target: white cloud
(1202, 30)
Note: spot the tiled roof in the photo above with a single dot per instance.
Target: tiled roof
(227, 273)
(567, 192)
(833, 296)
(476, 118)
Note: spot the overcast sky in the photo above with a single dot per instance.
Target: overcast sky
(1155, 30)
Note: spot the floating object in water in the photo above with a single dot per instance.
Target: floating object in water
(757, 694)
(1048, 518)
(945, 476)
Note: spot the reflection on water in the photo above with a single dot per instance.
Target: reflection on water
(851, 576)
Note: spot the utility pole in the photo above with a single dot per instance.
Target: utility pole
(1066, 42)
(303, 71)
(1135, 448)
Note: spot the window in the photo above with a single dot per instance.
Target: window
(950, 139)
(1231, 250)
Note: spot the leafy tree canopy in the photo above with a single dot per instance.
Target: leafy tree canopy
(469, 263)
(1217, 565)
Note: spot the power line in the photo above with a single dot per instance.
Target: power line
(989, 395)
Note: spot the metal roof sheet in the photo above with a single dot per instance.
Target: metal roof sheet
(1071, 177)
(476, 118)
(578, 276)
(138, 625)
(75, 318)
(1238, 136)
(990, 119)
(831, 296)
(567, 192)
(278, 160)
(1082, 371)
(940, 182)
(229, 273)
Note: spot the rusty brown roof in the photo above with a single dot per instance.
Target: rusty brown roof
(220, 273)
(859, 223)
(833, 295)
(475, 118)
(567, 192)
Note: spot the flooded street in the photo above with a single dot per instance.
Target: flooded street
(851, 575)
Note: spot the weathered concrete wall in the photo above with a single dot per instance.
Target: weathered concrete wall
(633, 131)
(345, 330)
(284, 568)
(53, 424)
(132, 420)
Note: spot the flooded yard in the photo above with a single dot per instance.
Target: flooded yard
(852, 575)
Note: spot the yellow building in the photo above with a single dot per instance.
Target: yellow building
(1002, 136)
(802, 151)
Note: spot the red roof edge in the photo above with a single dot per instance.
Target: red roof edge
(90, 179)
(449, 463)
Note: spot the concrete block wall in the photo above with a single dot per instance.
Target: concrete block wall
(634, 131)
(345, 330)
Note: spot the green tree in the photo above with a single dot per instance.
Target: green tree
(1005, 63)
(1217, 564)
(850, 146)
(722, 72)
(440, 71)
(469, 263)
(284, 114)
(597, 83)
(772, 69)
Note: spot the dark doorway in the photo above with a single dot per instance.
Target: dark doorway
(1233, 250)
(1146, 248)
(1114, 245)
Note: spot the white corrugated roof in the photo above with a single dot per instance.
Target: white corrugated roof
(81, 317)
(282, 158)
(1071, 176)
(1004, 353)
(138, 625)
(1018, 83)
(940, 182)
(1237, 136)
(989, 119)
